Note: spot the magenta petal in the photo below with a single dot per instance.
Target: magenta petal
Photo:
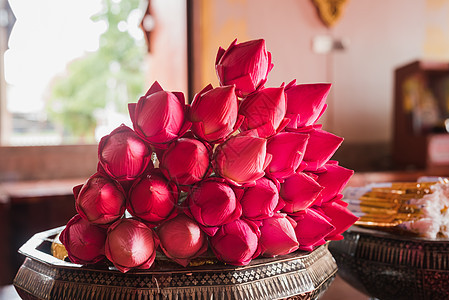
(311, 228)
(307, 101)
(131, 244)
(186, 161)
(260, 201)
(123, 155)
(182, 239)
(287, 149)
(236, 243)
(264, 110)
(241, 159)
(246, 65)
(341, 218)
(277, 236)
(333, 180)
(320, 148)
(299, 191)
(212, 203)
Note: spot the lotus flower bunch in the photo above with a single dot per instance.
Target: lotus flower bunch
(242, 171)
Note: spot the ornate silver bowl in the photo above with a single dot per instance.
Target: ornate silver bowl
(393, 266)
(300, 275)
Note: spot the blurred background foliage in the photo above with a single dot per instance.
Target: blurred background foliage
(105, 80)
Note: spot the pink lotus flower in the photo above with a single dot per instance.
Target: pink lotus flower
(186, 161)
(214, 113)
(236, 243)
(287, 149)
(159, 116)
(260, 201)
(334, 178)
(83, 241)
(264, 111)
(182, 239)
(100, 200)
(305, 103)
(212, 203)
(246, 65)
(123, 155)
(242, 159)
(340, 217)
(152, 199)
(130, 244)
(277, 236)
(299, 191)
(311, 229)
(320, 147)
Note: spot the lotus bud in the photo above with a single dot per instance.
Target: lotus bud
(83, 241)
(333, 179)
(340, 217)
(242, 159)
(277, 236)
(260, 201)
(305, 103)
(130, 244)
(311, 229)
(236, 243)
(153, 199)
(100, 200)
(186, 161)
(287, 149)
(159, 116)
(264, 111)
(320, 147)
(212, 203)
(123, 155)
(246, 65)
(182, 239)
(299, 191)
(214, 113)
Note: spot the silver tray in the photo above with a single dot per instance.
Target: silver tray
(392, 266)
(300, 275)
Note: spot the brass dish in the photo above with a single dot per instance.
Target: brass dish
(393, 266)
(300, 275)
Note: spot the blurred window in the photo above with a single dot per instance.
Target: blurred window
(70, 68)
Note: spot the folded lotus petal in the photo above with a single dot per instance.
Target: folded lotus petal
(214, 113)
(311, 229)
(123, 155)
(306, 101)
(299, 191)
(182, 239)
(186, 161)
(333, 180)
(241, 159)
(153, 199)
(246, 65)
(320, 147)
(212, 203)
(287, 149)
(130, 244)
(341, 218)
(83, 241)
(101, 200)
(264, 109)
(236, 243)
(260, 201)
(277, 236)
(159, 116)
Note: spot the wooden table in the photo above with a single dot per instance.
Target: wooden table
(26, 208)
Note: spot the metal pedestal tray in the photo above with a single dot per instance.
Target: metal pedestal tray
(393, 266)
(300, 275)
